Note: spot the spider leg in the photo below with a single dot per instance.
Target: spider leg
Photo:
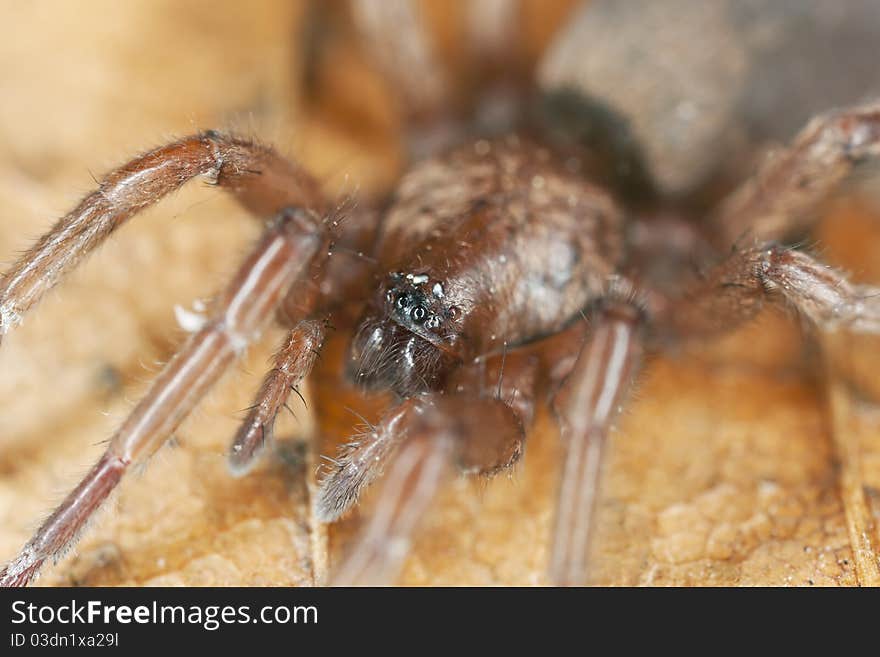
(428, 436)
(293, 362)
(258, 177)
(236, 319)
(736, 289)
(776, 202)
(417, 470)
(346, 273)
(424, 441)
(586, 405)
(400, 45)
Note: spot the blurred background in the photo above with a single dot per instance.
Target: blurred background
(753, 460)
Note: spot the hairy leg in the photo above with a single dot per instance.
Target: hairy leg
(293, 362)
(421, 443)
(415, 473)
(324, 291)
(235, 321)
(778, 200)
(258, 177)
(586, 405)
(735, 290)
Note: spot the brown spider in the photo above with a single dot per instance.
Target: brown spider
(479, 272)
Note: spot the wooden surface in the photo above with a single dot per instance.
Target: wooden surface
(753, 460)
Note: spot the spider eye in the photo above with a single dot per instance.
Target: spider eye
(418, 314)
(400, 302)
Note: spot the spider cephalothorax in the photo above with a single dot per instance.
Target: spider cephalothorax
(495, 243)
(480, 268)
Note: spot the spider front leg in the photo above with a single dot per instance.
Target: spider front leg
(283, 254)
(293, 362)
(419, 445)
(586, 405)
(260, 179)
(430, 437)
(343, 274)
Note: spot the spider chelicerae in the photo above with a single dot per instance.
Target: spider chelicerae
(476, 278)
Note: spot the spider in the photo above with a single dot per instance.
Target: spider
(479, 274)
